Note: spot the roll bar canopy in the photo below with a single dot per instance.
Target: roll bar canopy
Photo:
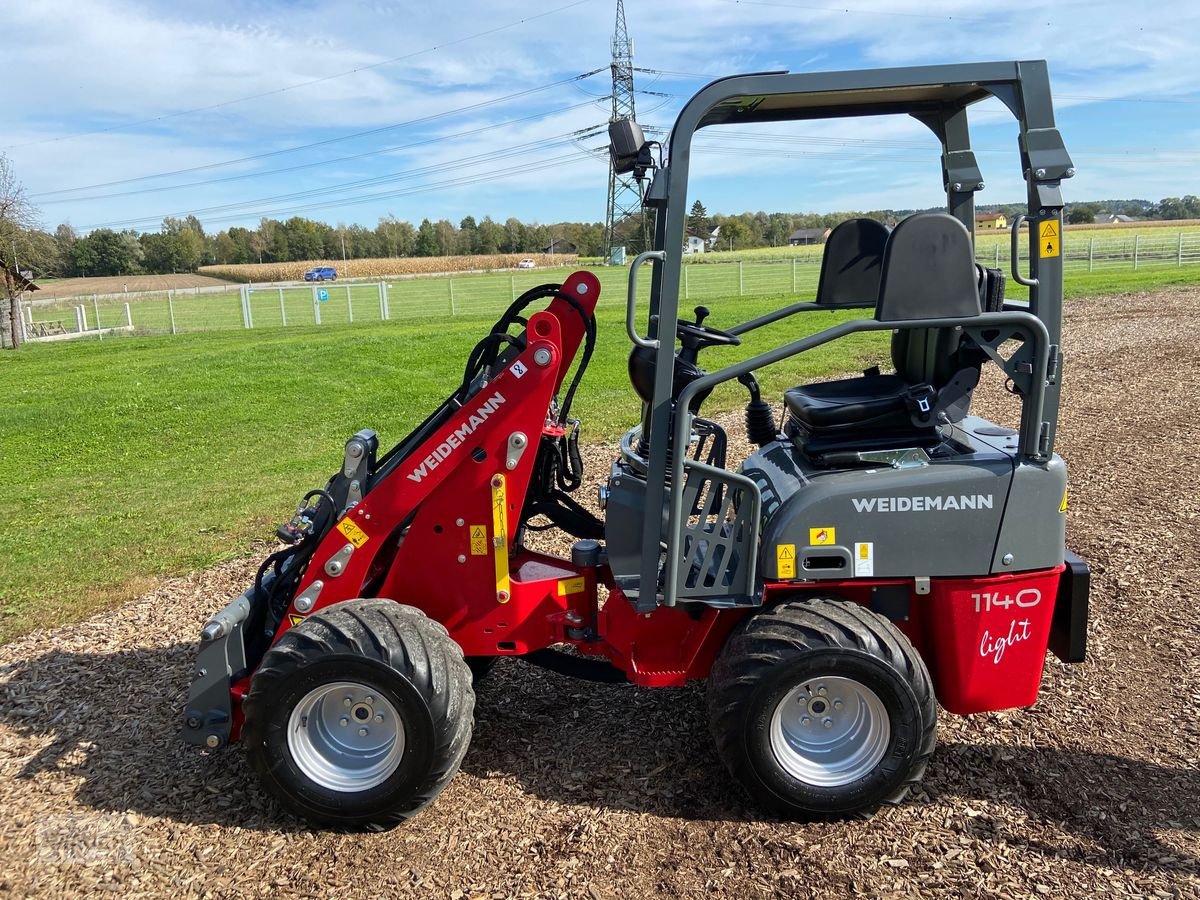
(937, 96)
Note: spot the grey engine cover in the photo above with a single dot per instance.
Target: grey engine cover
(956, 516)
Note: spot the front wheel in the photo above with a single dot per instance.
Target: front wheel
(822, 708)
(360, 715)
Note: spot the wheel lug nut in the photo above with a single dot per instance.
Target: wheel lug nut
(821, 691)
(804, 720)
(378, 717)
(369, 700)
(837, 704)
(362, 732)
(827, 722)
(349, 701)
(344, 721)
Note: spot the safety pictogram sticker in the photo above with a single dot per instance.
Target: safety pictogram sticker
(1048, 239)
(479, 541)
(353, 533)
(785, 559)
(820, 536)
(864, 560)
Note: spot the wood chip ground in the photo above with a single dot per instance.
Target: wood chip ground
(576, 790)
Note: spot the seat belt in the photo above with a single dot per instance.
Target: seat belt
(920, 400)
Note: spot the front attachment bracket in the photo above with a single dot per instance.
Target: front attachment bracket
(208, 719)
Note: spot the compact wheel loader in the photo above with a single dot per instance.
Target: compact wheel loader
(882, 551)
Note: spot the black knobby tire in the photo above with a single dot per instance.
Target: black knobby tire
(797, 643)
(393, 650)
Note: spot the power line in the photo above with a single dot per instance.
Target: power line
(853, 144)
(450, 165)
(1128, 99)
(463, 181)
(302, 84)
(323, 162)
(856, 12)
(334, 140)
(671, 74)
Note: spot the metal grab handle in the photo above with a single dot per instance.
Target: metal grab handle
(1014, 262)
(631, 303)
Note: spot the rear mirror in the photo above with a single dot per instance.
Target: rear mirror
(627, 146)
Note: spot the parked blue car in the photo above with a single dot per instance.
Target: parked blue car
(321, 273)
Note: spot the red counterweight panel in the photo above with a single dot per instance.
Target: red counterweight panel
(988, 637)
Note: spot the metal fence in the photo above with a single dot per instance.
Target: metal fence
(487, 294)
(1082, 253)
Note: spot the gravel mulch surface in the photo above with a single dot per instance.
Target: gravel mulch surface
(578, 790)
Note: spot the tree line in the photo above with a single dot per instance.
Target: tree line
(183, 244)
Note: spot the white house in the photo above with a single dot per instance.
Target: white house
(693, 244)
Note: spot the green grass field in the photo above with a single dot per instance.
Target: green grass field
(136, 457)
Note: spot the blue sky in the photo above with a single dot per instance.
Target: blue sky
(98, 95)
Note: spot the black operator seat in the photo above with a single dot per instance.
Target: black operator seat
(851, 264)
(928, 272)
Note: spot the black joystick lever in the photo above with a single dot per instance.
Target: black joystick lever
(695, 336)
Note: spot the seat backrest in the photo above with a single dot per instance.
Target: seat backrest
(852, 262)
(928, 272)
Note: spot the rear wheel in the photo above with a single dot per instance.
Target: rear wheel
(360, 715)
(822, 708)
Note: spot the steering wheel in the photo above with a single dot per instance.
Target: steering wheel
(695, 336)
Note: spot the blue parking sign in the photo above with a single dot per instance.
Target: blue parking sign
(322, 295)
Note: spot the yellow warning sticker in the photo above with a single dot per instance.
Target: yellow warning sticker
(785, 559)
(1048, 239)
(864, 560)
(479, 540)
(294, 620)
(353, 533)
(1062, 507)
(568, 586)
(820, 536)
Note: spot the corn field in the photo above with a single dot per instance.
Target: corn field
(383, 267)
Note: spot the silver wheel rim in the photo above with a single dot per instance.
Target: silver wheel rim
(346, 737)
(830, 732)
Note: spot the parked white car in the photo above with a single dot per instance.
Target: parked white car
(527, 263)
